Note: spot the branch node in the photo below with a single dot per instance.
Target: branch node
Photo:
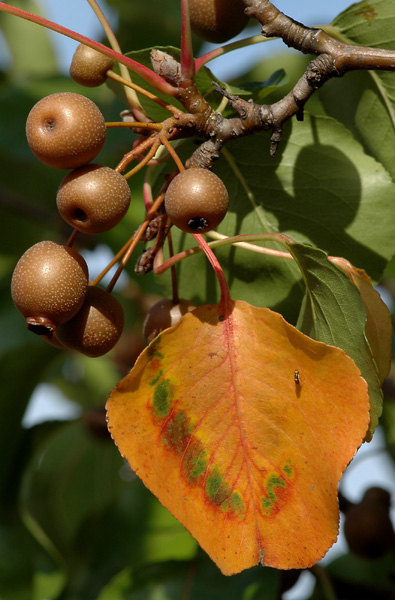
(240, 105)
(275, 139)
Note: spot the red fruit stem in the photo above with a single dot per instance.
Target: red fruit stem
(149, 76)
(225, 303)
(132, 243)
(187, 62)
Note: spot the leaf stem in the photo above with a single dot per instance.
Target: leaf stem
(250, 41)
(147, 74)
(241, 241)
(130, 93)
(174, 284)
(325, 582)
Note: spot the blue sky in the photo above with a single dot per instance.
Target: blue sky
(77, 15)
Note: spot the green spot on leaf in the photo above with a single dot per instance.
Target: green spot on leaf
(194, 461)
(162, 398)
(274, 481)
(216, 489)
(153, 349)
(267, 504)
(237, 504)
(177, 432)
(287, 469)
(156, 379)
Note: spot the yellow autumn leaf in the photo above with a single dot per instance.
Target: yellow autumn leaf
(242, 427)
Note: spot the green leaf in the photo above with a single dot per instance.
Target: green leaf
(35, 56)
(333, 312)
(22, 368)
(91, 512)
(321, 188)
(365, 101)
(257, 90)
(360, 578)
(200, 577)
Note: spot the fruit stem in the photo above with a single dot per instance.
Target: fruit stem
(72, 238)
(172, 109)
(225, 303)
(174, 284)
(132, 243)
(172, 153)
(130, 93)
(148, 75)
(133, 154)
(145, 160)
(136, 124)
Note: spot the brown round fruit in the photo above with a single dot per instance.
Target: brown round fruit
(89, 67)
(217, 21)
(93, 198)
(96, 327)
(162, 315)
(49, 285)
(196, 200)
(368, 527)
(65, 130)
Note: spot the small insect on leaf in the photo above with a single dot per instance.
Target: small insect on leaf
(296, 377)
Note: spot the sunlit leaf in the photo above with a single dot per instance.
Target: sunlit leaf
(321, 188)
(333, 312)
(257, 90)
(245, 452)
(365, 101)
(378, 327)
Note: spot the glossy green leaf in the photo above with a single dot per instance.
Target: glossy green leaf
(320, 188)
(257, 90)
(332, 312)
(365, 101)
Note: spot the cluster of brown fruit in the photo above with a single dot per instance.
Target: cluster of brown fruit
(50, 284)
